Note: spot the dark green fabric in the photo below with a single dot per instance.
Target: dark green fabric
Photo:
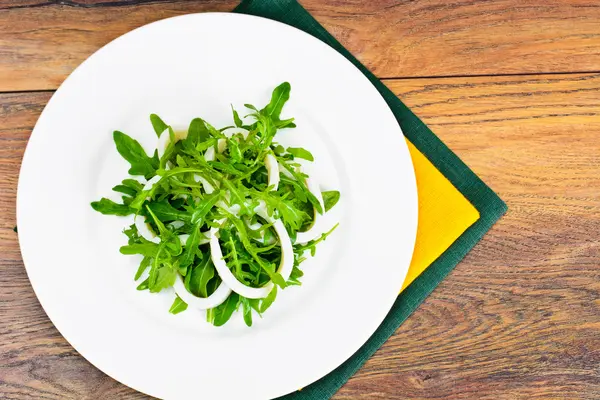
(490, 206)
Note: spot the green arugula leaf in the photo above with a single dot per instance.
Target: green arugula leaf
(143, 195)
(236, 117)
(330, 198)
(204, 207)
(147, 249)
(169, 151)
(130, 187)
(280, 95)
(234, 150)
(133, 184)
(134, 153)
(197, 133)
(165, 278)
(255, 304)
(278, 150)
(294, 279)
(247, 309)
(286, 123)
(165, 212)
(139, 200)
(301, 182)
(158, 124)
(125, 190)
(221, 314)
(143, 266)
(312, 245)
(299, 152)
(278, 280)
(173, 246)
(225, 168)
(178, 306)
(177, 203)
(238, 195)
(290, 214)
(267, 301)
(143, 285)
(191, 246)
(109, 207)
(132, 234)
(201, 274)
(164, 232)
(213, 131)
(181, 161)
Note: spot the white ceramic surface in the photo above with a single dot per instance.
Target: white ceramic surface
(181, 68)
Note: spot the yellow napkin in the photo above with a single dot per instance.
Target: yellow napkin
(444, 214)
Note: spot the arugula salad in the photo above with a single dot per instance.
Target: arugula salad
(224, 216)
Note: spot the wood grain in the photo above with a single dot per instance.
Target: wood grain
(519, 318)
(41, 42)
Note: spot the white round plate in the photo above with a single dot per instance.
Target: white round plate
(196, 66)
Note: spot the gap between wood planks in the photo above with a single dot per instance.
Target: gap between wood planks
(76, 4)
(399, 78)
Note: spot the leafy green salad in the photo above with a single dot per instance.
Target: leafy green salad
(224, 216)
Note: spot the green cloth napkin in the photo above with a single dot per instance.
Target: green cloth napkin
(489, 205)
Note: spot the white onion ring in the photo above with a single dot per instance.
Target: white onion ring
(208, 188)
(287, 251)
(205, 238)
(144, 229)
(285, 267)
(202, 303)
(177, 224)
(209, 154)
(142, 226)
(165, 139)
(314, 231)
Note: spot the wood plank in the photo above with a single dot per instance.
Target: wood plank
(41, 45)
(41, 42)
(518, 318)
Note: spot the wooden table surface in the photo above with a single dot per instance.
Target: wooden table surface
(512, 86)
